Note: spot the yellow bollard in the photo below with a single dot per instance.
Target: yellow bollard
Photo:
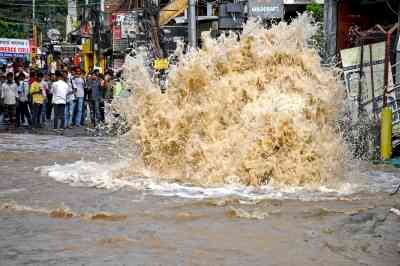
(386, 133)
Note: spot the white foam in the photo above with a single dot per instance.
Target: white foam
(82, 173)
(99, 175)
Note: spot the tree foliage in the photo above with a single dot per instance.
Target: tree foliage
(12, 30)
(316, 10)
(49, 14)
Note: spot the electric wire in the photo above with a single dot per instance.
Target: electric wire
(47, 5)
(203, 3)
(391, 8)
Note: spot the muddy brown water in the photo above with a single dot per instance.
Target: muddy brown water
(131, 227)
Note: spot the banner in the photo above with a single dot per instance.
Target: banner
(125, 23)
(14, 47)
(267, 9)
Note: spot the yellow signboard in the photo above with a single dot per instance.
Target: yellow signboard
(87, 46)
(161, 63)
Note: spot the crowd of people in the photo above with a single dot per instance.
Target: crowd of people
(63, 97)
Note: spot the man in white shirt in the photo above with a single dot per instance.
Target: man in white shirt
(59, 89)
(9, 68)
(78, 84)
(70, 103)
(53, 67)
(45, 92)
(9, 97)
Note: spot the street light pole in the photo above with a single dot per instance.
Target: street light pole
(192, 24)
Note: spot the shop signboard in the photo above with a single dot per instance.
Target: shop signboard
(266, 9)
(14, 47)
(126, 22)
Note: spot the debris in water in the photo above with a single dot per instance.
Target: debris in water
(63, 212)
(240, 110)
(13, 206)
(322, 212)
(240, 213)
(104, 216)
(118, 241)
(222, 202)
(188, 216)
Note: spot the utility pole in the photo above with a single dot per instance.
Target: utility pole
(33, 10)
(192, 24)
(34, 30)
(96, 12)
(330, 27)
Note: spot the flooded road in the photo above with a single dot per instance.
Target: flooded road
(57, 207)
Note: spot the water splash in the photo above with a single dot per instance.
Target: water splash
(78, 174)
(241, 111)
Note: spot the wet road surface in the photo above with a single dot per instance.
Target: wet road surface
(44, 222)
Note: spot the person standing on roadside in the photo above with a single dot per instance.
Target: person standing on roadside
(69, 105)
(2, 81)
(49, 107)
(45, 88)
(79, 84)
(37, 99)
(9, 98)
(94, 98)
(85, 97)
(103, 87)
(117, 86)
(22, 101)
(59, 90)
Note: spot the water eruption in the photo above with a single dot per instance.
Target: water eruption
(245, 110)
